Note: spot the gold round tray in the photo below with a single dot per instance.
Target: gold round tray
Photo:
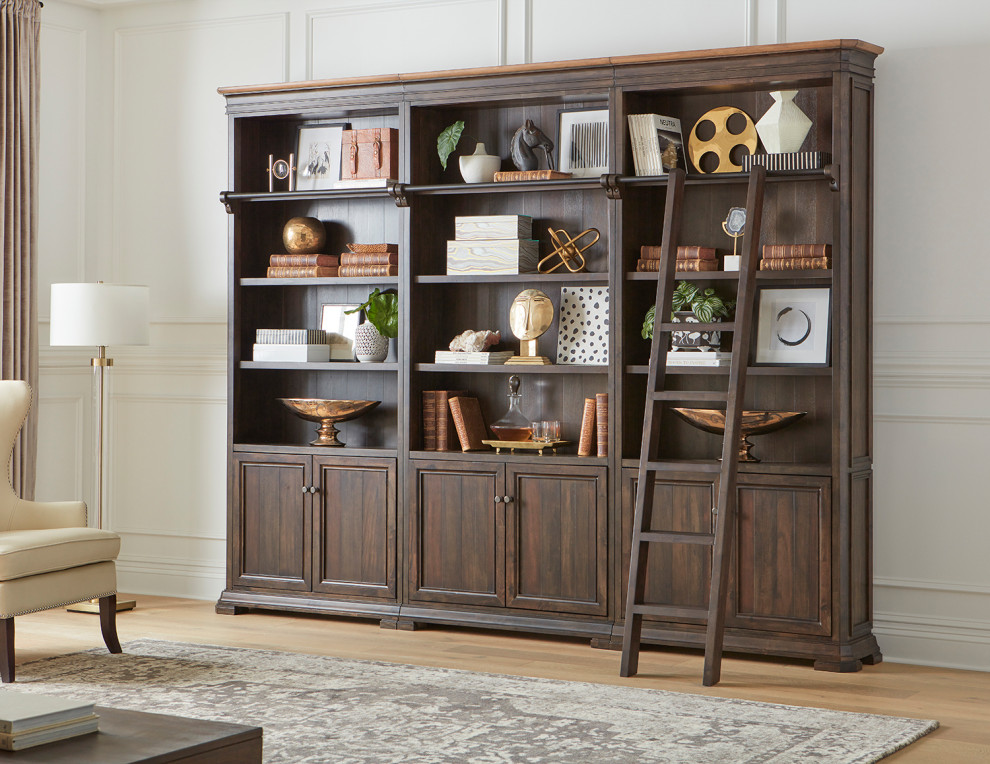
(529, 445)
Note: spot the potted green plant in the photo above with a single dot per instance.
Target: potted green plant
(373, 338)
(479, 167)
(691, 304)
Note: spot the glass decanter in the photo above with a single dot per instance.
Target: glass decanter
(514, 424)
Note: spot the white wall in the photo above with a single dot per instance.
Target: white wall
(133, 157)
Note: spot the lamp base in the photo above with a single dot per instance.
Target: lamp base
(93, 606)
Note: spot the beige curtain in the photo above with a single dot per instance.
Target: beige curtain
(19, 27)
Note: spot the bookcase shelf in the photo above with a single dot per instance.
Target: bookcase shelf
(369, 528)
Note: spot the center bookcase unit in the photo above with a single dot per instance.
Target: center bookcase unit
(384, 528)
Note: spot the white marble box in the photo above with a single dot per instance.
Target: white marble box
(483, 227)
(493, 256)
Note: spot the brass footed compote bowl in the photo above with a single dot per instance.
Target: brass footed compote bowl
(753, 423)
(327, 412)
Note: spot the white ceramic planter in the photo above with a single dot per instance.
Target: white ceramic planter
(369, 345)
(479, 167)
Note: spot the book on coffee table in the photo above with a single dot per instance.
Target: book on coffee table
(28, 720)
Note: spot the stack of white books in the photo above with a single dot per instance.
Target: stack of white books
(657, 143)
(487, 358)
(288, 345)
(698, 358)
(27, 720)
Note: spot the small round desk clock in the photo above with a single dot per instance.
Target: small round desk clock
(530, 315)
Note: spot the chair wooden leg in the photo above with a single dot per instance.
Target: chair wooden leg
(7, 649)
(108, 622)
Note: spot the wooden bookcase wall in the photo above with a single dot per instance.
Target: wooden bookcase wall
(384, 529)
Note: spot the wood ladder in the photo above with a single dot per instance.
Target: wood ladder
(650, 463)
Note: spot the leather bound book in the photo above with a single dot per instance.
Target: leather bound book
(331, 261)
(696, 253)
(429, 420)
(468, 422)
(369, 258)
(369, 270)
(512, 176)
(796, 264)
(696, 265)
(587, 437)
(771, 251)
(601, 423)
(446, 430)
(300, 271)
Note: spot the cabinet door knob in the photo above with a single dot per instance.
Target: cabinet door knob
(313, 489)
(498, 499)
(507, 499)
(305, 489)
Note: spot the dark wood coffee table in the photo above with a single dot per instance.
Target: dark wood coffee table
(130, 737)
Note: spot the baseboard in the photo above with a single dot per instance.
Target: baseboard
(171, 578)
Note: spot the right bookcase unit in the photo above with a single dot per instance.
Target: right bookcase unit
(388, 528)
(801, 578)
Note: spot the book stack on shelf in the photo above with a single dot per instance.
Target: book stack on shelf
(370, 260)
(710, 358)
(482, 357)
(493, 245)
(657, 143)
(302, 266)
(796, 257)
(302, 345)
(688, 259)
(439, 430)
(27, 720)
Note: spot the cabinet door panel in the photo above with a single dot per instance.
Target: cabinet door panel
(556, 547)
(677, 574)
(458, 535)
(272, 540)
(354, 527)
(782, 570)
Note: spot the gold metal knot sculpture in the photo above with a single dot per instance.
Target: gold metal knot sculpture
(570, 254)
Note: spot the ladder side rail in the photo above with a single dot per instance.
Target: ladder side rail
(725, 519)
(649, 446)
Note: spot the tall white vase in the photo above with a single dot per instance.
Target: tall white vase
(784, 127)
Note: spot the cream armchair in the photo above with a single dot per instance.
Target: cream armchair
(48, 557)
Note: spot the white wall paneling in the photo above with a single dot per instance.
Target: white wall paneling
(148, 110)
(358, 38)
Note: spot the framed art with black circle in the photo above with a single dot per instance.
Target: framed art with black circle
(793, 326)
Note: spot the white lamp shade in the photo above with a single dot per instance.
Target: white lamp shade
(99, 314)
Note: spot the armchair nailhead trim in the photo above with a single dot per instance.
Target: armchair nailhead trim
(60, 604)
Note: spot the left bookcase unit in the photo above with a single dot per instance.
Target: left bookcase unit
(308, 526)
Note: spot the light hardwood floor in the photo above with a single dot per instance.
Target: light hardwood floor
(960, 700)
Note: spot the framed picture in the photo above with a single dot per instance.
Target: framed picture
(318, 156)
(582, 143)
(340, 327)
(582, 328)
(793, 326)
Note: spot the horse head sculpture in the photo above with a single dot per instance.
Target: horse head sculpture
(524, 141)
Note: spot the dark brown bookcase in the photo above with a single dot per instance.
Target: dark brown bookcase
(385, 529)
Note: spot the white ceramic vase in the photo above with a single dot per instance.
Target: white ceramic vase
(369, 345)
(479, 167)
(784, 127)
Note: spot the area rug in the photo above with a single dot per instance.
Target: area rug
(319, 709)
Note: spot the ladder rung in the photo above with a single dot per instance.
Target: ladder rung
(683, 466)
(690, 395)
(691, 326)
(669, 537)
(671, 611)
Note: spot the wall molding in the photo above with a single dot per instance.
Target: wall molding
(388, 5)
(79, 430)
(941, 320)
(157, 362)
(930, 585)
(81, 140)
(954, 421)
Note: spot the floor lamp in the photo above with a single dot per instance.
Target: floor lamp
(99, 315)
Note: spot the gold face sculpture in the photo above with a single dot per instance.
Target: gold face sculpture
(530, 315)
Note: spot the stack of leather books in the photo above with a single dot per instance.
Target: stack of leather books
(691, 258)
